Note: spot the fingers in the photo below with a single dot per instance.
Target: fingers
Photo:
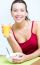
(17, 60)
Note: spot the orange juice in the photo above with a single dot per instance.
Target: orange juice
(6, 29)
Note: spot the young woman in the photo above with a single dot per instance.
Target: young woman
(24, 36)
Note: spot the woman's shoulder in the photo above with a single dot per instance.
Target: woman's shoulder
(37, 25)
(34, 26)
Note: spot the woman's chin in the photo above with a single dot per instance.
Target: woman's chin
(19, 21)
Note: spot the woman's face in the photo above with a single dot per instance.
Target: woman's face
(19, 12)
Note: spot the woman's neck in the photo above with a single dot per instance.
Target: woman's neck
(20, 25)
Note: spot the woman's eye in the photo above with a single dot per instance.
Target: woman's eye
(15, 10)
(22, 10)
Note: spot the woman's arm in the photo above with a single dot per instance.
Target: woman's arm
(13, 43)
(33, 55)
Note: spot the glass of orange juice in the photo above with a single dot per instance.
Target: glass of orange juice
(6, 30)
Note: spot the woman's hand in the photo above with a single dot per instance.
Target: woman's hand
(19, 58)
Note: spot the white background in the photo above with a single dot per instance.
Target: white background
(5, 18)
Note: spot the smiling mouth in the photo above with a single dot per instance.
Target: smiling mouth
(18, 17)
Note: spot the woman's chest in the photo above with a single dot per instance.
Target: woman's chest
(23, 35)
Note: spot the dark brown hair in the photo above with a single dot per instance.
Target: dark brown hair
(20, 1)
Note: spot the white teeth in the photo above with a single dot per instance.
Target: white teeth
(18, 17)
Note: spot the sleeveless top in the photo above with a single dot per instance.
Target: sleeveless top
(31, 45)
